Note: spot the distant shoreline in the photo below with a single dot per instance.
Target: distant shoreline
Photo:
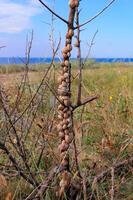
(37, 60)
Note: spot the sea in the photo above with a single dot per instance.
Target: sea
(37, 60)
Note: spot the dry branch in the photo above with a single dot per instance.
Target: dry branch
(97, 15)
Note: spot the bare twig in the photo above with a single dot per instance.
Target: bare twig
(55, 14)
(85, 101)
(2, 47)
(90, 47)
(112, 180)
(78, 45)
(45, 183)
(94, 17)
(116, 167)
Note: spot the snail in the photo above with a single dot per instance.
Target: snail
(66, 63)
(60, 117)
(63, 92)
(66, 115)
(60, 87)
(64, 162)
(65, 121)
(63, 146)
(60, 112)
(59, 127)
(66, 75)
(61, 134)
(67, 80)
(65, 50)
(72, 3)
(67, 131)
(64, 126)
(65, 56)
(69, 125)
(76, 3)
(70, 33)
(65, 109)
(60, 107)
(69, 47)
(67, 102)
(68, 40)
(64, 84)
(65, 69)
(68, 139)
(65, 97)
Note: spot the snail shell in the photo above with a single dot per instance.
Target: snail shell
(63, 146)
(65, 109)
(67, 102)
(60, 107)
(65, 50)
(68, 41)
(65, 97)
(66, 75)
(61, 134)
(60, 112)
(65, 121)
(76, 3)
(60, 87)
(68, 139)
(69, 125)
(59, 127)
(66, 62)
(72, 3)
(65, 69)
(64, 162)
(63, 92)
(65, 56)
(69, 47)
(64, 126)
(67, 131)
(70, 33)
(67, 36)
(67, 80)
(66, 115)
(64, 84)
(60, 117)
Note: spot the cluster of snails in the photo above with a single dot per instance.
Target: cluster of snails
(64, 113)
(64, 108)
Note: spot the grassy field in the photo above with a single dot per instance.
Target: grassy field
(104, 128)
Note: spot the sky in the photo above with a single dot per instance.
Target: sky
(19, 17)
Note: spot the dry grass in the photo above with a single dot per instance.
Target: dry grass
(105, 134)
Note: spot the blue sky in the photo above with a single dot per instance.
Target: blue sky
(19, 17)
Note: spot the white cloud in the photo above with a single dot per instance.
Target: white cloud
(16, 17)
